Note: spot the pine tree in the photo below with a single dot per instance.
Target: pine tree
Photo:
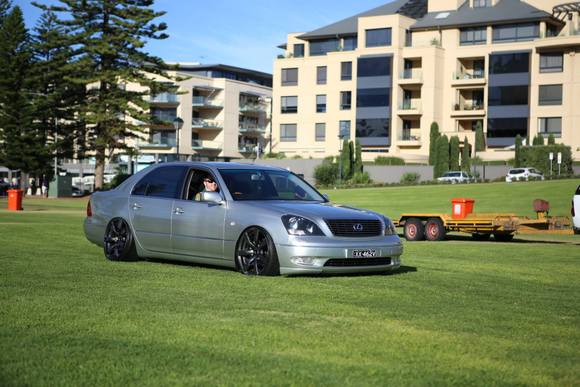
(107, 38)
(358, 164)
(465, 156)
(19, 144)
(479, 137)
(551, 139)
(433, 136)
(454, 153)
(540, 139)
(518, 152)
(442, 165)
(346, 158)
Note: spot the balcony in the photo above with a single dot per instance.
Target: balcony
(253, 108)
(409, 140)
(568, 37)
(410, 108)
(475, 78)
(411, 77)
(163, 144)
(247, 148)
(468, 109)
(206, 102)
(252, 129)
(197, 123)
(163, 99)
(206, 145)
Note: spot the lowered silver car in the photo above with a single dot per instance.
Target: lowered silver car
(259, 220)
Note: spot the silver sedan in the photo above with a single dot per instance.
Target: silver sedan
(259, 220)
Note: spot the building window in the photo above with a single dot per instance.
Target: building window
(166, 115)
(344, 129)
(408, 38)
(373, 97)
(298, 50)
(516, 32)
(321, 103)
(551, 125)
(481, 3)
(289, 105)
(509, 63)
(377, 128)
(289, 77)
(345, 100)
(321, 75)
(378, 37)
(345, 71)
(374, 67)
(320, 132)
(350, 43)
(322, 47)
(507, 127)
(508, 95)
(288, 132)
(550, 95)
(472, 36)
(552, 63)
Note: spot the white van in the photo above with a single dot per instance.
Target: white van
(576, 210)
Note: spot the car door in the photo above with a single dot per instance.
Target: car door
(151, 206)
(197, 226)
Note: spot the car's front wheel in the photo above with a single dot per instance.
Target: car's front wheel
(119, 242)
(256, 253)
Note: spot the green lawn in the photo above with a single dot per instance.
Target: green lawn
(459, 312)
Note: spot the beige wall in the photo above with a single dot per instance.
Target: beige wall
(441, 57)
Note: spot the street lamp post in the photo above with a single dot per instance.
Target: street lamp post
(177, 124)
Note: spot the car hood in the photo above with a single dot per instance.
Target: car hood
(314, 210)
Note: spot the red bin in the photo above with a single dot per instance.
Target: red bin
(461, 207)
(15, 199)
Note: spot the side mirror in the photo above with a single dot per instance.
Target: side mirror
(212, 197)
(326, 197)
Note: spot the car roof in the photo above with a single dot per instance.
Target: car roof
(223, 165)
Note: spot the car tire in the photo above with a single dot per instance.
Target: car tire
(434, 230)
(503, 237)
(119, 244)
(480, 236)
(414, 230)
(256, 253)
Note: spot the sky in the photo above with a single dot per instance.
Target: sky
(242, 33)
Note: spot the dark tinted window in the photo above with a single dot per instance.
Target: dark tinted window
(373, 97)
(321, 75)
(346, 71)
(508, 95)
(509, 63)
(163, 182)
(507, 127)
(469, 36)
(378, 37)
(516, 32)
(373, 67)
(372, 127)
(298, 50)
(550, 95)
(552, 62)
(350, 43)
(289, 77)
(321, 47)
(289, 104)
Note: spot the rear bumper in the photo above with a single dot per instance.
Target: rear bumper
(94, 232)
(313, 258)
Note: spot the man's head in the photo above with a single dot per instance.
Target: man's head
(210, 184)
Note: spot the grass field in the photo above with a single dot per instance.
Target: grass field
(459, 312)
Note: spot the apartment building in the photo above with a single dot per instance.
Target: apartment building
(225, 114)
(383, 76)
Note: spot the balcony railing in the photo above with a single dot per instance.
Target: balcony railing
(410, 137)
(410, 105)
(247, 148)
(468, 75)
(206, 102)
(205, 145)
(252, 108)
(415, 74)
(466, 106)
(163, 98)
(200, 123)
(252, 129)
(168, 143)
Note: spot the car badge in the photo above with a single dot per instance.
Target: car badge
(358, 227)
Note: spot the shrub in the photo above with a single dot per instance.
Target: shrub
(454, 153)
(274, 155)
(433, 136)
(410, 178)
(538, 157)
(442, 164)
(382, 160)
(326, 174)
(360, 178)
(479, 138)
(296, 157)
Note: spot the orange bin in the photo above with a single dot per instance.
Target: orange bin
(15, 199)
(461, 207)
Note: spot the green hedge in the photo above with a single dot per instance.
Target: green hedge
(382, 160)
(538, 157)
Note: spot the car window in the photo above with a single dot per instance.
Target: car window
(162, 182)
(196, 184)
(516, 171)
(578, 190)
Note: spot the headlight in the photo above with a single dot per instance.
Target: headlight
(299, 226)
(389, 227)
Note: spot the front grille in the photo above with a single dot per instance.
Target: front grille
(349, 262)
(352, 228)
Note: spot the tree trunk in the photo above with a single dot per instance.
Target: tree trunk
(99, 169)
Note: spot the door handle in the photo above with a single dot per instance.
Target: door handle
(136, 206)
(178, 211)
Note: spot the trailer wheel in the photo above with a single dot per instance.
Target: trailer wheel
(434, 230)
(503, 237)
(414, 230)
(481, 236)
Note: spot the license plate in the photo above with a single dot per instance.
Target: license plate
(364, 253)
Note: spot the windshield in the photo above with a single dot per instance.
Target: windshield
(256, 184)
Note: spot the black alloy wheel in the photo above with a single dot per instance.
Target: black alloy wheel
(434, 230)
(119, 243)
(256, 253)
(414, 230)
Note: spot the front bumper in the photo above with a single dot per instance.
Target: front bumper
(317, 252)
